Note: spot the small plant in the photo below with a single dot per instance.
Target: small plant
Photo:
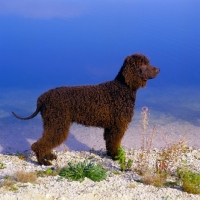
(190, 180)
(121, 157)
(25, 177)
(165, 198)
(8, 182)
(21, 156)
(116, 172)
(155, 179)
(2, 166)
(13, 189)
(48, 172)
(83, 169)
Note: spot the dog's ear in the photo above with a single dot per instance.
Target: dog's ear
(131, 73)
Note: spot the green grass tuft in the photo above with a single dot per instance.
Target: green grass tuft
(78, 172)
(121, 157)
(190, 181)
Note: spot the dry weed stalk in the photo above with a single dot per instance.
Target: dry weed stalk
(156, 172)
(146, 140)
(145, 122)
(169, 156)
(165, 164)
(143, 157)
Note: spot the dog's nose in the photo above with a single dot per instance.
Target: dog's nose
(157, 70)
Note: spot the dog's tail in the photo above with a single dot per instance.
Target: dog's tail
(30, 117)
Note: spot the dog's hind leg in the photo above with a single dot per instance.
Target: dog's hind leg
(52, 137)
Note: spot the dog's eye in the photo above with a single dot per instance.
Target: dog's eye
(143, 68)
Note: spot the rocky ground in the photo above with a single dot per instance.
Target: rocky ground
(117, 185)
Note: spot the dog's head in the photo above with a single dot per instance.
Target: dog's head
(136, 71)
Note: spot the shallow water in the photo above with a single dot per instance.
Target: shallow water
(85, 42)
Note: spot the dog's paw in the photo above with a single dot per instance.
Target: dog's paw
(50, 156)
(45, 162)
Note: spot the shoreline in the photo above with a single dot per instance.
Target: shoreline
(20, 135)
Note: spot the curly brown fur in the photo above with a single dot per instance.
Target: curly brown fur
(109, 105)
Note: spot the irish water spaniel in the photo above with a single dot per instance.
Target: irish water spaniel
(108, 105)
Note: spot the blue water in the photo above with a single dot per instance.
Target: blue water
(49, 43)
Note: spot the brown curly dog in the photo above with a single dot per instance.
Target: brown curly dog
(108, 105)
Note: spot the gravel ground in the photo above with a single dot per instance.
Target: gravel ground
(116, 186)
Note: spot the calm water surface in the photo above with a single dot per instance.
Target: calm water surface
(49, 43)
